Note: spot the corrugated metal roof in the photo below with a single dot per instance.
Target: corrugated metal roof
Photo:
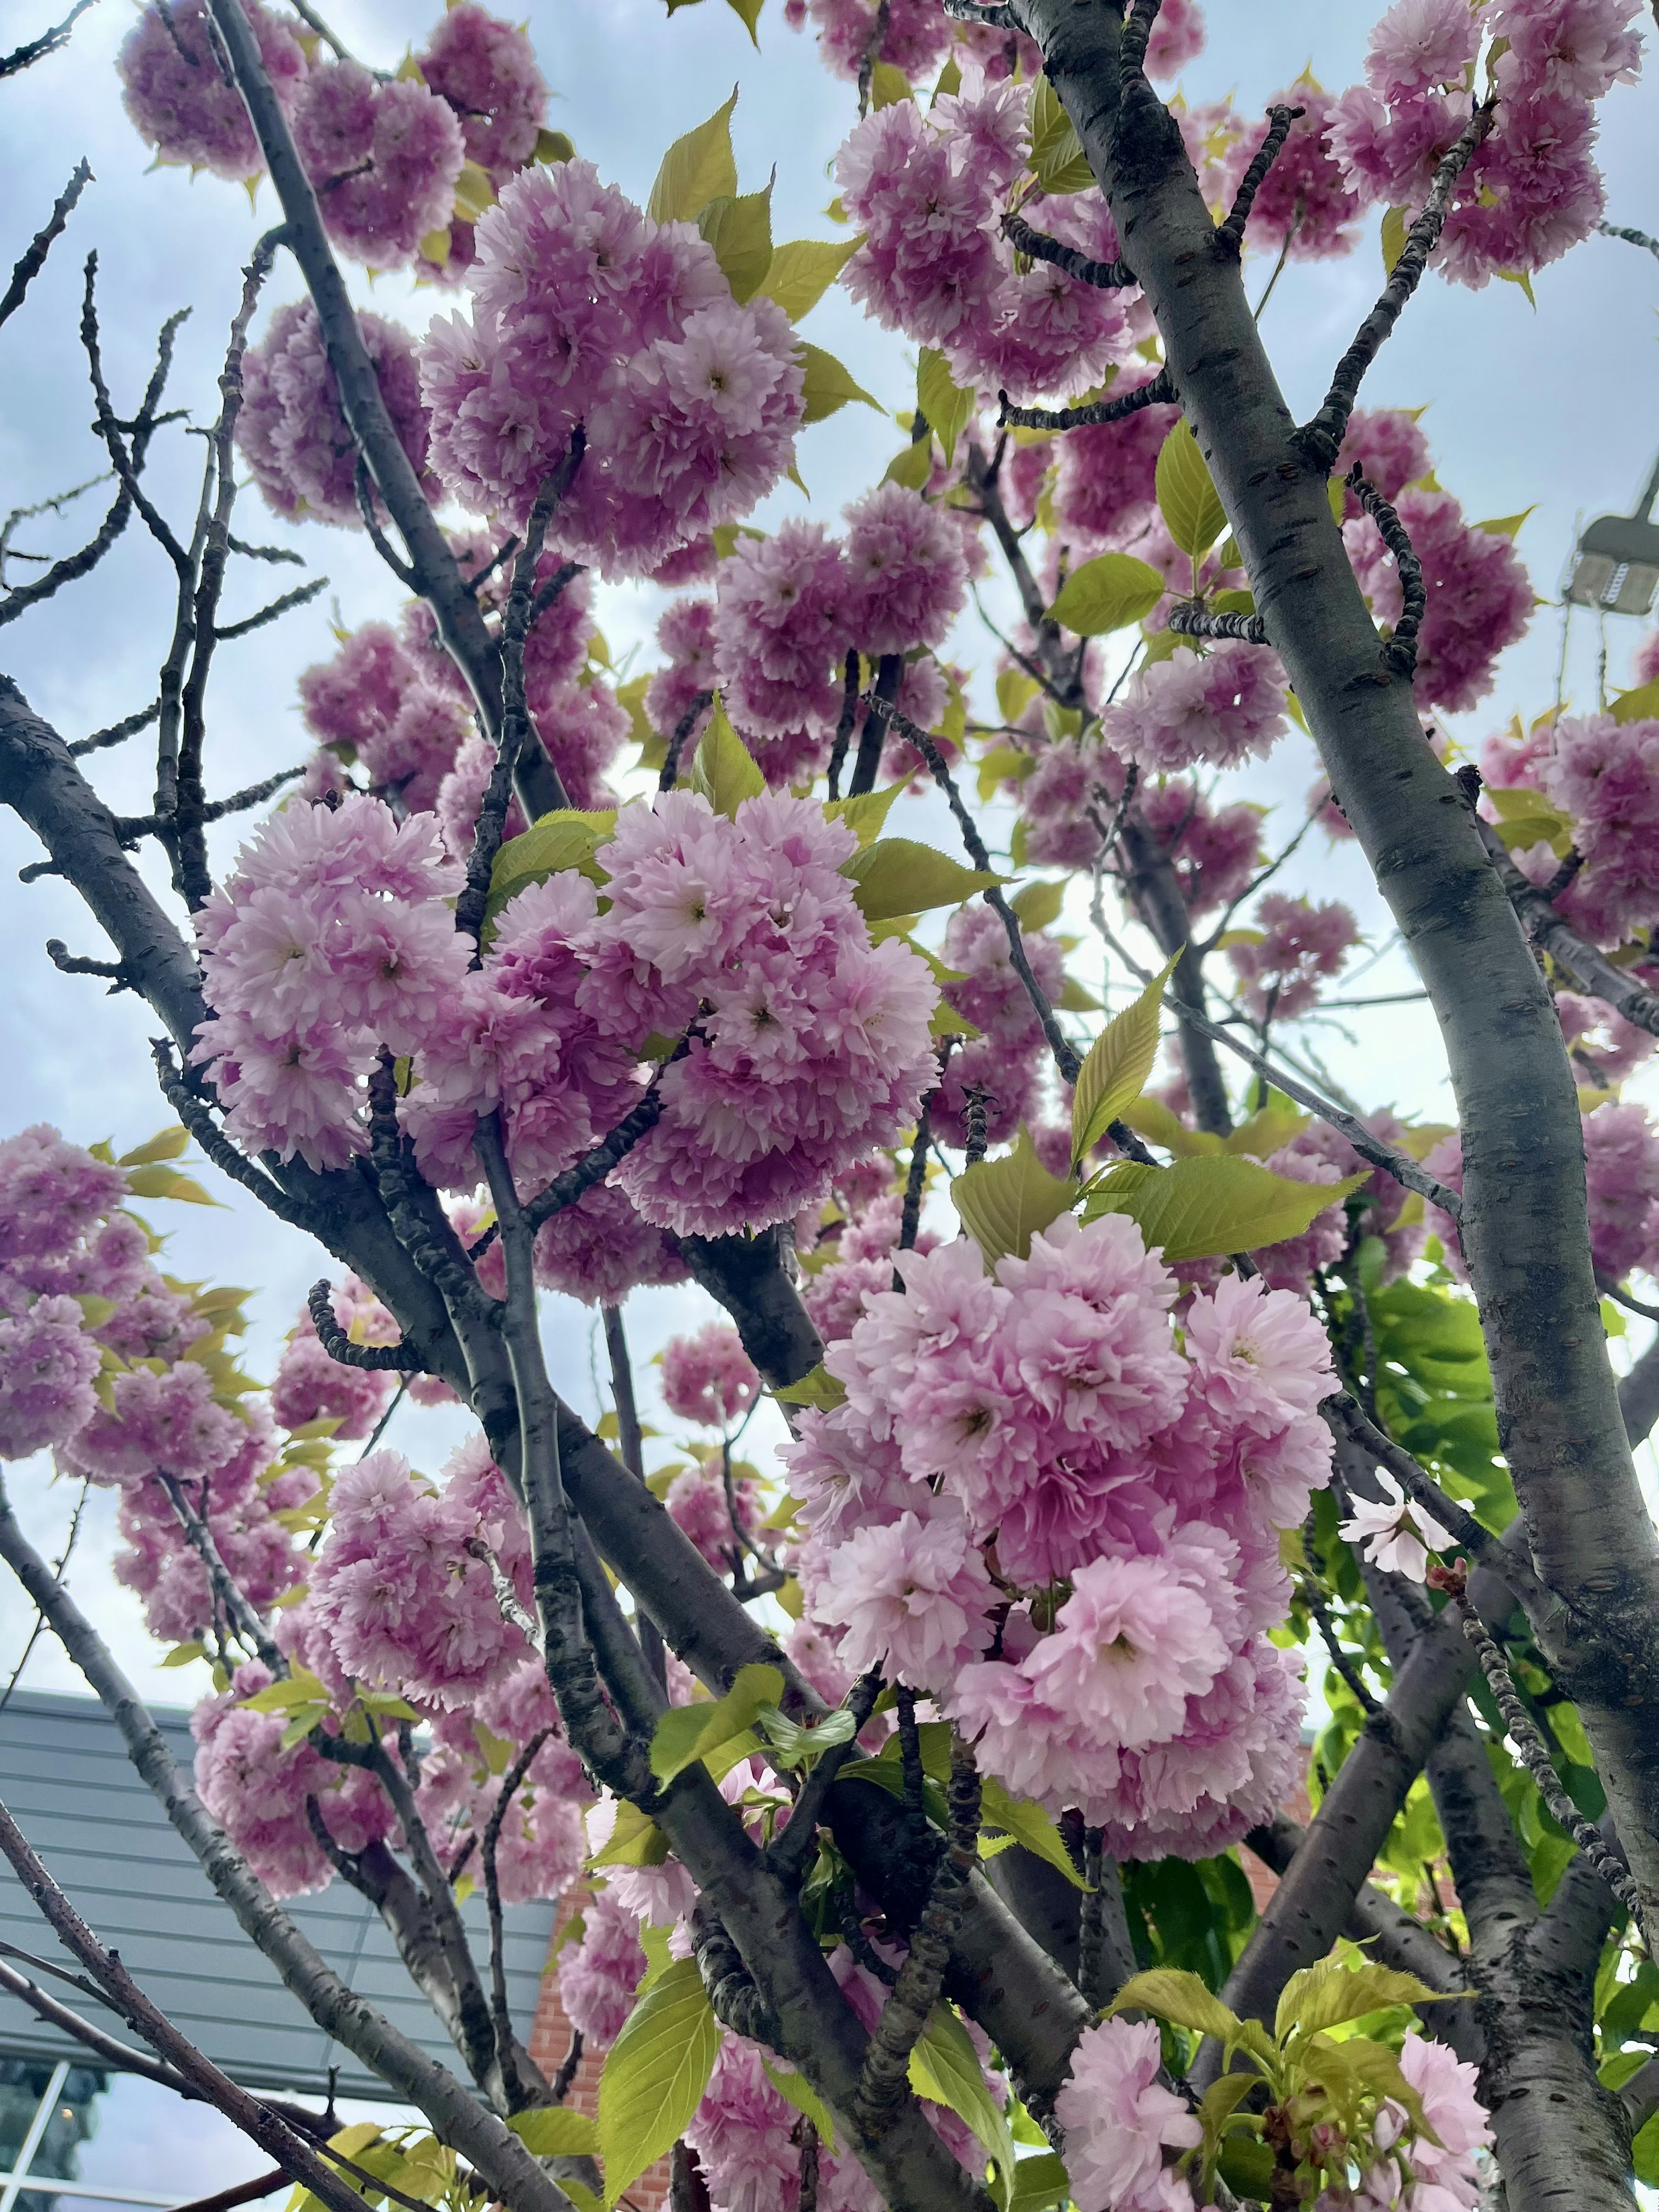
(65, 1775)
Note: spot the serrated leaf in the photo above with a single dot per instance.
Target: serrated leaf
(685, 1733)
(865, 813)
(723, 768)
(803, 269)
(888, 85)
(1029, 1826)
(828, 386)
(948, 408)
(635, 1840)
(1108, 593)
(161, 1182)
(655, 2073)
(1039, 2182)
(896, 876)
(1206, 1207)
(1015, 692)
(474, 192)
(1326, 1995)
(748, 12)
(911, 466)
(740, 232)
(1186, 498)
(945, 2066)
(1180, 1998)
(695, 169)
(796, 1746)
(566, 838)
(795, 2089)
(1057, 156)
(165, 1144)
(1119, 1064)
(1004, 1203)
(1038, 905)
(299, 1688)
(1639, 705)
(300, 1726)
(820, 1388)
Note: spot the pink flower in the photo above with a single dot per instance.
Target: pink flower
(708, 1377)
(178, 98)
(1397, 1532)
(780, 630)
(1457, 2117)
(1259, 1356)
(1305, 202)
(1137, 1638)
(1301, 944)
(907, 578)
(912, 1596)
(1118, 2118)
(47, 1367)
(1177, 38)
(486, 69)
(1480, 601)
(1419, 45)
(1222, 709)
(598, 1978)
(383, 156)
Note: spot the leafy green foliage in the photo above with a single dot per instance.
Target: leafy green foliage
(1186, 498)
(1211, 1205)
(553, 2131)
(829, 386)
(1107, 594)
(696, 170)
(1118, 1067)
(740, 232)
(945, 2066)
(566, 838)
(687, 1733)
(803, 269)
(948, 408)
(896, 876)
(1005, 1202)
(1057, 156)
(1192, 1915)
(725, 770)
(655, 2073)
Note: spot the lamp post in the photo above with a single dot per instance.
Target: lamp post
(1616, 566)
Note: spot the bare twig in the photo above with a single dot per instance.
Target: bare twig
(33, 260)
(397, 1358)
(1156, 391)
(701, 704)
(49, 42)
(1037, 246)
(300, 596)
(1229, 234)
(117, 731)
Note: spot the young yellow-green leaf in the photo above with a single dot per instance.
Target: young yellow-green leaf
(1028, 1825)
(945, 2066)
(896, 876)
(1038, 905)
(1204, 1207)
(1015, 692)
(552, 147)
(865, 812)
(888, 85)
(948, 408)
(566, 838)
(1005, 1202)
(1525, 817)
(1326, 1995)
(911, 466)
(1181, 1998)
(556, 2131)
(795, 2089)
(163, 1182)
(1118, 1064)
(1106, 594)
(795, 1746)
(740, 232)
(1186, 498)
(300, 1688)
(723, 768)
(1075, 998)
(820, 1388)
(1506, 525)
(803, 271)
(749, 12)
(1057, 156)
(828, 385)
(165, 1144)
(1039, 2182)
(1396, 222)
(636, 1840)
(1271, 1126)
(182, 1654)
(696, 170)
(1639, 705)
(684, 1733)
(655, 2073)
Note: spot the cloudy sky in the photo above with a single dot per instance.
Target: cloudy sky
(1555, 407)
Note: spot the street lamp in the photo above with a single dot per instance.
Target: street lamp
(1616, 565)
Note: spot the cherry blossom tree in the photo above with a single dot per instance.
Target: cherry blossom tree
(894, 1783)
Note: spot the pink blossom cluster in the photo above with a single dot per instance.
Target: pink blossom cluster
(856, 1258)
(585, 312)
(485, 70)
(1480, 600)
(177, 96)
(1533, 189)
(309, 1386)
(1300, 945)
(384, 154)
(1008, 1060)
(1028, 1457)
(1621, 1177)
(708, 1378)
(1222, 707)
(1305, 204)
(1105, 481)
(911, 35)
(929, 191)
(292, 431)
(696, 1500)
(1119, 2120)
(1602, 773)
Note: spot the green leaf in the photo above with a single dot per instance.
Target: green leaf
(1181, 1998)
(161, 1182)
(300, 1688)
(820, 1388)
(888, 85)
(1186, 497)
(945, 2066)
(552, 147)
(948, 408)
(556, 2131)
(896, 876)
(1005, 1202)
(1519, 276)
(740, 232)
(1029, 1826)
(749, 11)
(165, 1144)
(1106, 594)
(636, 1840)
(1039, 2182)
(696, 170)
(865, 812)
(723, 768)
(655, 2073)
(182, 1654)
(1639, 705)
(828, 385)
(1015, 692)
(1057, 155)
(795, 1746)
(1397, 222)
(803, 271)
(1118, 1064)
(912, 465)
(795, 2089)
(1506, 525)
(566, 838)
(684, 1733)
(1038, 905)
(1206, 1206)
(1326, 1995)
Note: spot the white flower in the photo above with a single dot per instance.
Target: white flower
(1399, 1535)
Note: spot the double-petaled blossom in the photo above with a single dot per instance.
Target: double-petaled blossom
(181, 102)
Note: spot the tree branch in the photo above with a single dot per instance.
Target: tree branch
(1157, 391)
(33, 260)
(1037, 246)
